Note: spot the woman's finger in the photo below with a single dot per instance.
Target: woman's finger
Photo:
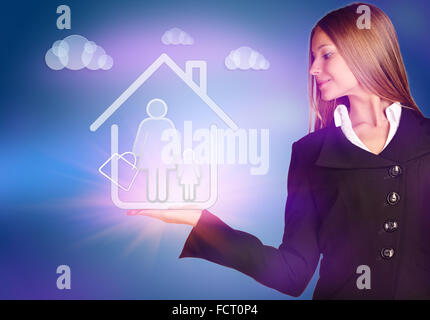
(151, 212)
(132, 212)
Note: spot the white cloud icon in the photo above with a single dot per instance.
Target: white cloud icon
(176, 36)
(75, 52)
(245, 58)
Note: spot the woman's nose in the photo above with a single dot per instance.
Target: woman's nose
(315, 69)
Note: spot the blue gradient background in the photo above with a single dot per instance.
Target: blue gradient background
(56, 208)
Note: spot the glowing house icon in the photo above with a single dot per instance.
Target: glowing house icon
(201, 91)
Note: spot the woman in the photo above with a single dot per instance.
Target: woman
(357, 186)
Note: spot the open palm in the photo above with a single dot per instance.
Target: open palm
(187, 214)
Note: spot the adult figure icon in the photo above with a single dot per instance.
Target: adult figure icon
(148, 146)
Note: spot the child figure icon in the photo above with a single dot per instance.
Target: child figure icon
(188, 173)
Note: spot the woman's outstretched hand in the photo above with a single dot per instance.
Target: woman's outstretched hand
(187, 214)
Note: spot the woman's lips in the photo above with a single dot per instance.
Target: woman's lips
(321, 84)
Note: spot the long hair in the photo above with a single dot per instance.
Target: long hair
(373, 56)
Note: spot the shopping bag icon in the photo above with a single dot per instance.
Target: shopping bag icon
(128, 170)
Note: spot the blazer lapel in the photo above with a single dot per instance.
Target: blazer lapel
(411, 140)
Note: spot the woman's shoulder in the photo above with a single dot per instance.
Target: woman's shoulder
(418, 115)
(309, 146)
(315, 137)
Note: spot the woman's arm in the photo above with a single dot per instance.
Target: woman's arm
(287, 268)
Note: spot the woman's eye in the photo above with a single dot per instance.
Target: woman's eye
(327, 55)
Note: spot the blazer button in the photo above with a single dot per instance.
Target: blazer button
(394, 171)
(390, 226)
(387, 253)
(393, 198)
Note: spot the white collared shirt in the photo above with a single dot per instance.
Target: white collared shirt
(341, 118)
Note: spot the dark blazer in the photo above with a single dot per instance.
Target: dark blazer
(354, 207)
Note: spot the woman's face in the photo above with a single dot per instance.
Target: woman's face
(334, 77)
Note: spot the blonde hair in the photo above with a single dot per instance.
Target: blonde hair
(373, 56)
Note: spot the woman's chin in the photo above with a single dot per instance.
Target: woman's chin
(325, 96)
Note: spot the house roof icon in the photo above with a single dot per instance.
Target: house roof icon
(186, 76)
